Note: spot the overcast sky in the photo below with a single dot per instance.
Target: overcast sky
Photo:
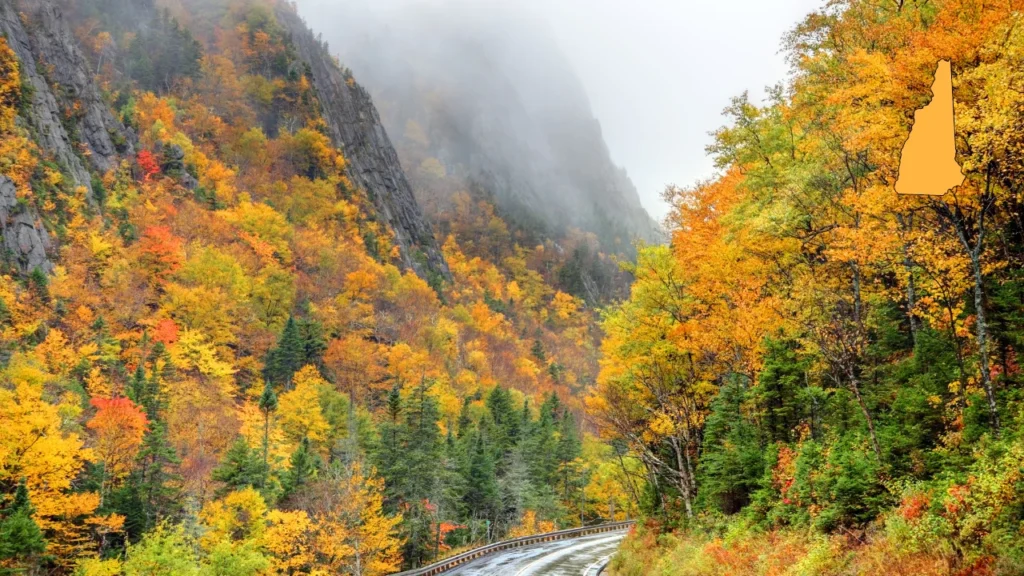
(659, 72)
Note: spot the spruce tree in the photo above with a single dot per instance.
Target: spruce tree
(20, 536)
(731, 464)
(777, 394)
(149, 495)
(464, 422)
(288, 357)
(417, 471)
(567, 450)
(541, 444)
(242, 467)
(388, 451)
(506, 423)
(537, 350)
(422, 443)
(481, 483)
(305, 464)
(311, 334)
(267, 405)
(137, 388)
(514, 490)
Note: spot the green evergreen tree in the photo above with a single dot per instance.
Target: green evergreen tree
(537, 350)
(314, 344)
(241, 467)
(506, 423)
(778, 392)
(267, 405)
(541, 444)
(732, 462)
(149, 495)
(288, 357)
(464, 422)
(409, 457)
(567, 451)
(514, 491)
(39, 284)
(20, 536)
(481, 496)
(388, 451)
(305, 465)
(138, 387)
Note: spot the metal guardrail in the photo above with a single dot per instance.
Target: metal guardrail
(459, 559)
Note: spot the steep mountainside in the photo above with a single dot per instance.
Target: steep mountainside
(229, 343)
(356, 128)
(485, 99)
(99, 141)
(43, 40)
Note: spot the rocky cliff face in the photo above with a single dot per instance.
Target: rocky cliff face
(44, 42)
(25, 241)
(58, 76)
(91, 139)
(356, 128)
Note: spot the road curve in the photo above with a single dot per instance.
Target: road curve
(582, 556)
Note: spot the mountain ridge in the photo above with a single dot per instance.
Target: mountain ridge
(497, 106)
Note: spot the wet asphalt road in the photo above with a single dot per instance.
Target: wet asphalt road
(576, 557)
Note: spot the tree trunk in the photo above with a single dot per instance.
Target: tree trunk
(683, 473)
(982, 333)
(266, 446)
(911, 295)
(855, 387)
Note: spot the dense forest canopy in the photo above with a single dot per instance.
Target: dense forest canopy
(819, 375)
(230, 342)
(218, 355)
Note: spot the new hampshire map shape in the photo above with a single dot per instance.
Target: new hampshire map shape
(928, 163)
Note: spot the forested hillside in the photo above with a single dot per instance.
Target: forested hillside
(821, 376)
(229, 341)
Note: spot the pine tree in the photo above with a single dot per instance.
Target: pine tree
(422, 443)
(537, 350)
(150, 489)
(305, 464)
(514, 490)
(388, 452)
(39, 284)
(314, 344)
(481, 483)
(506, 423)
(409, 457)
(267, 404)
(288, 357)
(20, 536)
(778, 391)
(464, 422)
(541, 444)
(137, 388)
(731, 463)
(242, 467)
(567, 451)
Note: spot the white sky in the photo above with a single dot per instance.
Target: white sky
(659, 73)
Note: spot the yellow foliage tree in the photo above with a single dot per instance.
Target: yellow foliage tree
(299, 408)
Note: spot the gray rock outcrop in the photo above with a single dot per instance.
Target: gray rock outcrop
(103, 136)
(42, 113)
(25, 241)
